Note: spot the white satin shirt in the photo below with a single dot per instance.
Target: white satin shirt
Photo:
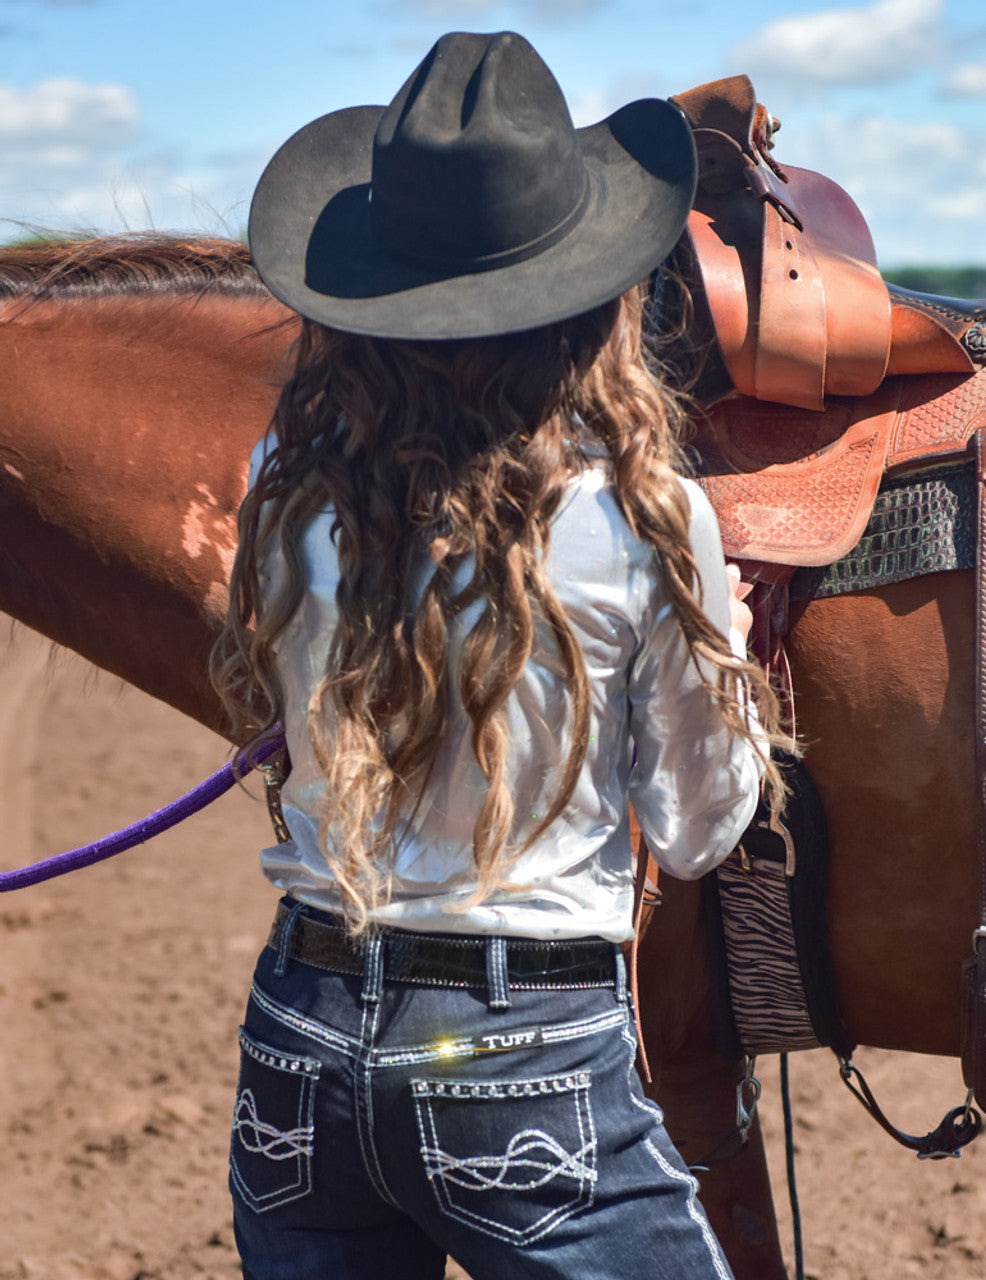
(656, 741)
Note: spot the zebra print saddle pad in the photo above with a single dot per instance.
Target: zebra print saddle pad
(769, 894)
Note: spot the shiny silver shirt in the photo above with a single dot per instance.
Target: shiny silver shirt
(657, 741)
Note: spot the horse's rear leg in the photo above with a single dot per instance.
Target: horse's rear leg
(698, 1095)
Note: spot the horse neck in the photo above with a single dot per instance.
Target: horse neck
(125, 429)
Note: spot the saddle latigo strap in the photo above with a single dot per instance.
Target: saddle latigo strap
(974, 1021)
(974, 969)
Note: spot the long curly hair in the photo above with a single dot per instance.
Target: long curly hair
(464, 449)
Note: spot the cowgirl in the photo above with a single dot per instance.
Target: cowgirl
(490, 617)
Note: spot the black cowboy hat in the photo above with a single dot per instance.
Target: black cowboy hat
(471, 205)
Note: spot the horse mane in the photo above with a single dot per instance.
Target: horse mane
(139, 263)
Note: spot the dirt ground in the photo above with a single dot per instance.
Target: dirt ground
(121, 988)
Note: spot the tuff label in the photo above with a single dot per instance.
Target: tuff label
(504, 1041)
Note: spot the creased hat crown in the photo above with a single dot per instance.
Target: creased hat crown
(477, 157)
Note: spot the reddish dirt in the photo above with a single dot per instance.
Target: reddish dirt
(121, 988)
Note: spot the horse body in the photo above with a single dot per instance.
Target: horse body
(126, 419)
(127, 423)
(886, 699)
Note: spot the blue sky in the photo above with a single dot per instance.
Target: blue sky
(161, 113)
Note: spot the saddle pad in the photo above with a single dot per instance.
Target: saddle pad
(766, 991)
(797, 487)
(771, 894)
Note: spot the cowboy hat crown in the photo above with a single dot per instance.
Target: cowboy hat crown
(476, 160)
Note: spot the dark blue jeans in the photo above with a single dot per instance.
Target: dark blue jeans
(380, 1126)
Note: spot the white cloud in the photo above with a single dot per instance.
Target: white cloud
(58, 138)
(968, 81)
(920, 185)
(67, 111)
(103, 193)
(596, 104)
(958, 206)
(70, 161)
(876, 43)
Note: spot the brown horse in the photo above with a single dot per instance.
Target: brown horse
(137, 374)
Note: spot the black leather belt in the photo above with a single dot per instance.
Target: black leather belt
(448, 960)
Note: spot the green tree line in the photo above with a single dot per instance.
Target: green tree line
(947, 282)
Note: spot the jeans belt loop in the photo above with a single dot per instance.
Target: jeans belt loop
(620, 972)
(284, 942)
(373, 971)
(497, 981)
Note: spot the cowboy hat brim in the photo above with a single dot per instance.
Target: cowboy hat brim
(312, 244)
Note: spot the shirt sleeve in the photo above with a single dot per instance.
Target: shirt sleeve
(694, 785)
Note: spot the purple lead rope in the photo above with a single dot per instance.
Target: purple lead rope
(138, 832)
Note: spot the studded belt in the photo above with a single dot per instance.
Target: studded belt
(448, 960)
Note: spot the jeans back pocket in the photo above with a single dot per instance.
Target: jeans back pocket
(511, 1158)
(273, 1125)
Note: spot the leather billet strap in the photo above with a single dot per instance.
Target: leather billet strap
(797, 316)
(981, 670)
(974, 969)
(789, 271)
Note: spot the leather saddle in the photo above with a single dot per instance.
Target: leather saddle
(816, 395)
(821, 381)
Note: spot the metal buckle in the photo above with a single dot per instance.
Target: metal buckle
(745, 1113)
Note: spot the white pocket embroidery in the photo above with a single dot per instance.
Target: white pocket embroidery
(539, 1165)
